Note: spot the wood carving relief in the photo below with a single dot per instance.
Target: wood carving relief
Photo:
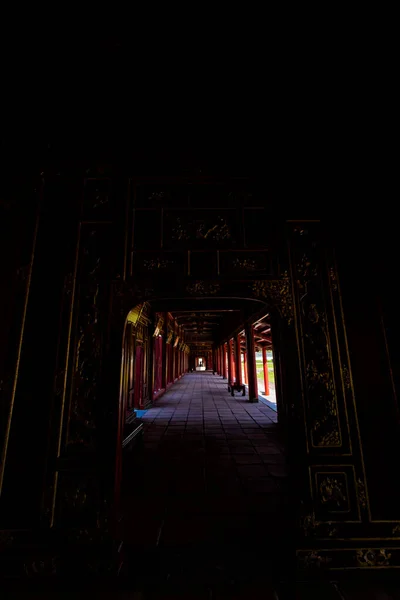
(333, 493)
(156, 264)
(315, 528)
(361, 495)
(245, 264)
(349, 558)
(200, 228)
(313, 559)
(320, 386)
(279, 293)
(203, 288)
(373, 557)
(87, 366)
(87, 370)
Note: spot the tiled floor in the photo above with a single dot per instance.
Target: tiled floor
(205, 497)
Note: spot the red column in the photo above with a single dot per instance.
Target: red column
(164, 354)
(265, 365)
(229, 351)
(232, 359)
(224, 361)
(245, 366)
(171, 364)
(238, 363)
(251, 363)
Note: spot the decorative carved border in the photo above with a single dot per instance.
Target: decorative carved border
(344, 559)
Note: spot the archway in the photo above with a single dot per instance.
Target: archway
(198, 417)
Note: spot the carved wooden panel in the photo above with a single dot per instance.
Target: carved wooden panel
(77, 501)
(200, 229)
(248, 264)
(335, 491)
(90, 307)
(371, 557)
(322, 383)
(159, 264)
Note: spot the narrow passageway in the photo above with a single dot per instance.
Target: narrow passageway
(204, 497)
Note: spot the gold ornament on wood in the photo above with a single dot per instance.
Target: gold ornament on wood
(279, 293)
(396, 530)
(203, 288)
(313, 559)
(376, 557)
(361, 494)
(333, 278)
(156, 264)
(346, 377)
(332, 492)
(245, 264)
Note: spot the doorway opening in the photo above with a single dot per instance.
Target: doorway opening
(211, 463)
(201, 363)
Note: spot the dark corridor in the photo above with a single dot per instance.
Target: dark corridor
(206, 505)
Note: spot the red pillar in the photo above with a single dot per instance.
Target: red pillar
(251, 363)
(175, 364)
(224, 361)
(230, 375)
(171, 363)
(219, 360)
(164, 375)
(245, 367)
(231, 347)
(265, 365)
(238, 362)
